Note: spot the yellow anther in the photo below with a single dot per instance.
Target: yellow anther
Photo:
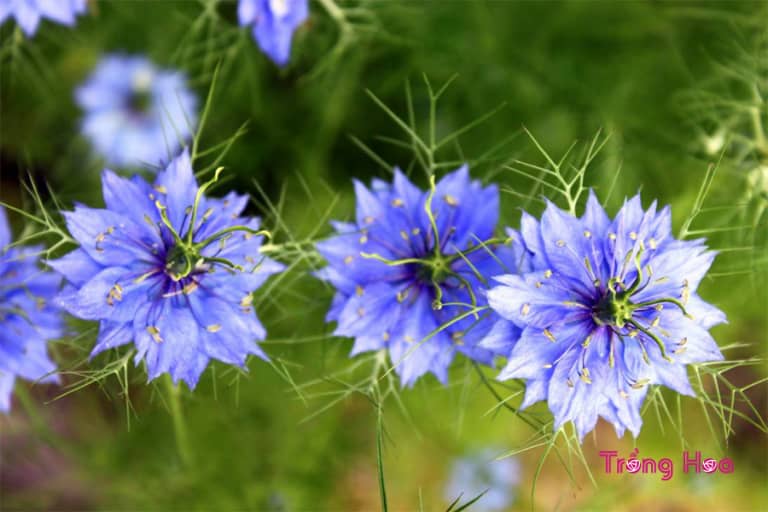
(369, 219)
(155, 333)
(659, 307)
(116, 293)
(404, 235)
(560, 243)
(452, 201)
(656, 321)
(416, 231)
(359, 291)
(623, 394)
(585, 376)
(633, 334)
(640, 383)
(652, 243)
(549, 335)
(633, 235)
(587, 233)
(681, 350)
(538, 284)
(247, 301)
(191, 287)
(385, 336)
(402, 295)
(161, 189)
(587, 341)
(569, 382)
(349, 259)
(397, 202)
(364, 239)
(682, 341)
(612, 236)
(547, 274)
(525, 309)
(213, 328)
(547, 366)
(409, 338)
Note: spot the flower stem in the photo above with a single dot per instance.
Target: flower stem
(179, 423)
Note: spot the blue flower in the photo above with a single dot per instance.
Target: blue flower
(28, 318)
(480, 473)
(28, 13)
(609, 309)
(273, 22)
(414, 261)
(135, 113)
(169, 269)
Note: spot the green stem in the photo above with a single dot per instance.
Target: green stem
(179, 424)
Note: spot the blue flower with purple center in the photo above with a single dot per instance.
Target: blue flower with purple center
(28, 317)
(29, 13)
(410, 271)
(136, 114)
(273, 23)
(609, 308)
(169, 269)
(483, 474)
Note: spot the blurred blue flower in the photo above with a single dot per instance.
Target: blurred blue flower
(169, 269)
(28, 318)
(610, 308)
(28, 13)
(134, 113)
(482, 473)
(274, 22)
(400, 272)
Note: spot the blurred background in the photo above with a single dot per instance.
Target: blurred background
(671, 88)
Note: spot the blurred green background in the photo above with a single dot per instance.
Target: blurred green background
(656, 77)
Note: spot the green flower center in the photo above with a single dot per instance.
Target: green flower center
(614, 309)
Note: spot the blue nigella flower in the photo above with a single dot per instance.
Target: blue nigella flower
(28, 318)
(273, 22)
(135, 113)
(413, 261)
(28, 13)
(610, 308)
(169, 269)
(480, 473)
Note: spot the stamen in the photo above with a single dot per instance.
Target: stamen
(213, 328)
(155, 333)
(549, 335)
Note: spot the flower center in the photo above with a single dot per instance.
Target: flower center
(186, 255)
(140, 102)
(613, 309)
(434, 270)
